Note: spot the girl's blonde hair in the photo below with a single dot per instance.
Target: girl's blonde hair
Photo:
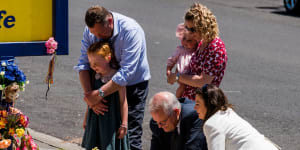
(204, 21)
(104, 49)
(100, 48)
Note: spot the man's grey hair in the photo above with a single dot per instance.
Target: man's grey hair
(165, 101)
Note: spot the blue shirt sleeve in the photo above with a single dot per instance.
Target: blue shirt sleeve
(133, 45)
(83, 62)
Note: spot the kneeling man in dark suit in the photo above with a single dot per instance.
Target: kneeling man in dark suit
(175, 124)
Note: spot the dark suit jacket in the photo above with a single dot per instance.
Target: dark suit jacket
(191, 136)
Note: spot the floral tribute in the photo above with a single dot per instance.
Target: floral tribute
(51, 46)
(13, 123)
(12, 80)
(10, 73)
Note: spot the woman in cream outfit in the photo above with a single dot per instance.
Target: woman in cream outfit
(223, 128)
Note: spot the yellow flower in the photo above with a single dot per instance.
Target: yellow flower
(3, 122)
(95, 148)
(2, 87)
(20, 132)
(11, 131)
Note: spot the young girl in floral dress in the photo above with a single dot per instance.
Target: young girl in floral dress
(182, 56)
(108, 131)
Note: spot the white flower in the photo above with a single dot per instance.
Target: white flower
(3, 63)
(2, 73)
(27, 81)
(22, 89)
(1, 87)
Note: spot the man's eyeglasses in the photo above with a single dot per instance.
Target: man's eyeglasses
(192, 30)
(163, 123)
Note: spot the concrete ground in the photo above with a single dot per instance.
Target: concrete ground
(47, 142)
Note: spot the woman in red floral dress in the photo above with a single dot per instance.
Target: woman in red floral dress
(208, 63)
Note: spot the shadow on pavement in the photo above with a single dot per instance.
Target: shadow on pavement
(278, 10)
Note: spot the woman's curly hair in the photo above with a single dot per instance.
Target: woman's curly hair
(204, 21)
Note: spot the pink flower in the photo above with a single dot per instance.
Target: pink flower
(50, 51)
(47, 44)
(54, 45)
(32, 144)
(51, 45)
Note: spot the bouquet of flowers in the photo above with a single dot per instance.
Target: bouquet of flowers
(13, 131)
(10, 73)
(12, 80)
(51, 46)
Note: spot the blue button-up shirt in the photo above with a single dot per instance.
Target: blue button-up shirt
(129, 44)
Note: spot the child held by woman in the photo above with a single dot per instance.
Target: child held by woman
(182, 56)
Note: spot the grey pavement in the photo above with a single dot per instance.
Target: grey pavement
(48, 142)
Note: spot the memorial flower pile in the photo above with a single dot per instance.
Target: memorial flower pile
(13, 123)
(13, 132)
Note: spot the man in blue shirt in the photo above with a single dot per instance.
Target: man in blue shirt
(128, 40)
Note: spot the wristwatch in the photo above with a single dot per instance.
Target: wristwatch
(101, 93)
(177, 76)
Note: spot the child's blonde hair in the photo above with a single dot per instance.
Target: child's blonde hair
(100, 48)
(104, 49)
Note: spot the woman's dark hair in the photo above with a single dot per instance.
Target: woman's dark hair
(214, 99)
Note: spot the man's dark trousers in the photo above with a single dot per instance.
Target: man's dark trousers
(136, 97)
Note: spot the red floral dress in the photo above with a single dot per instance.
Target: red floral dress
(211, 61)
